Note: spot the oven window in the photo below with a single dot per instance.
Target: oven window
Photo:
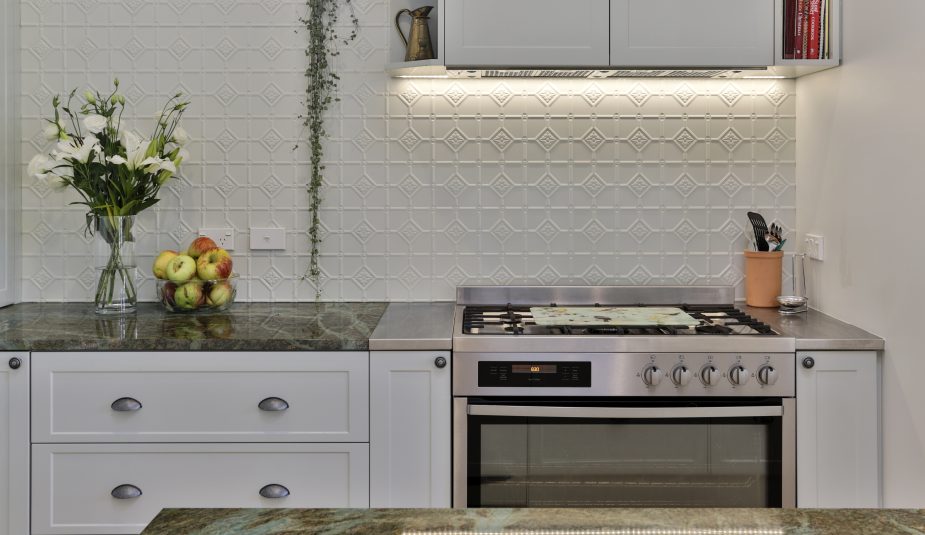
(568, 462)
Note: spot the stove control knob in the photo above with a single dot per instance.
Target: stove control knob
(767, 375)
(738, 375)
(680, 375)
(708, 375)
(652, 375)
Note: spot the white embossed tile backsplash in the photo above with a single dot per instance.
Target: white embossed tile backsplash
(430, 183)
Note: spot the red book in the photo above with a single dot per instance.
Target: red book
(789, 14)
(815, 25)
(798, 25)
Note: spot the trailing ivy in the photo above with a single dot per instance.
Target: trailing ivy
(323, 40)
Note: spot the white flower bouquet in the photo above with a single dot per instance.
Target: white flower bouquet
(116, 173)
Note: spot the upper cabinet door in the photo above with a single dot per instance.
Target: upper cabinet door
(527, 33)
(692, 33)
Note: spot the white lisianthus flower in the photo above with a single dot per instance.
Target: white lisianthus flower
(117, 160)
(40, 166)
(180, 136)
(52, 130)
(95, 123)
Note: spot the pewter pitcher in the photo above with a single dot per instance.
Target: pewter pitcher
(418, 45)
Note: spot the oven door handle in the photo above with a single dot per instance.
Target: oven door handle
(629, 413)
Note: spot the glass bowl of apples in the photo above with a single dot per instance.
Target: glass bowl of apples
(200, 279)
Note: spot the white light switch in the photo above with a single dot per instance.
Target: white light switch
(815, 246)
(268, 238)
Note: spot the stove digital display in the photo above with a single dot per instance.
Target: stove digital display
(534, 368)
(535, 374)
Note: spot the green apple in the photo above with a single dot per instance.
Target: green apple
(181, 268)
(220, 294)
(189, 296)
(160, 263)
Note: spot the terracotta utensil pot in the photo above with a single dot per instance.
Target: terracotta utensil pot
(763, 278)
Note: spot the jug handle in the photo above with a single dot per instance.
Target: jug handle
(398, 27)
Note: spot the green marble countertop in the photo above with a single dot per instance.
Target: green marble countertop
(244, 327)
(537, 521)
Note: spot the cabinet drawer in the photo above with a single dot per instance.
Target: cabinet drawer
(73, 484)
(200, 397)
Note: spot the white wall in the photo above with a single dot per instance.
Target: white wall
(431, 183)
(10, 198)
(861, 137)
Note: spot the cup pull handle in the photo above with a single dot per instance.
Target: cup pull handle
(126, 405)
(274, 491)
(273, 405)
(126, 492)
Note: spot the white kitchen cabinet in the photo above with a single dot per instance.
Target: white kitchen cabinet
(410, 426)
(119, 488)
(691, 33)
(200, 397)
(532, 33)
(14, 443)
(838, 429)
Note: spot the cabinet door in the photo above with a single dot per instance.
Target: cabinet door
(531, 33)
(410, 421)
(119, 488)
(14, 443)
(838, 429)
(691, 33)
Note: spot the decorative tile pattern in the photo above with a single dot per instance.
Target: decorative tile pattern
(429, 183)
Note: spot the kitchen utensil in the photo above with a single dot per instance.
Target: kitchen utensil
(418, 44)
(761, 229)
(780, 246)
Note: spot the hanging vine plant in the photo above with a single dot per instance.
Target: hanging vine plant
(324, 37)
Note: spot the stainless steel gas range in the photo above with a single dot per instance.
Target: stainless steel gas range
(629, 397)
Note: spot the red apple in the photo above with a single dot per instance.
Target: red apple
(220, 294)
(181, 268)
(214, 264)
(160, 263)
(189, 296)
(168, 291)
(201, 245)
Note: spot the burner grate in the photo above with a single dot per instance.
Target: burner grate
(724, 320)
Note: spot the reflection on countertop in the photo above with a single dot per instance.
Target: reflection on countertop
(244, 327)
(815, 331)
(538, 521)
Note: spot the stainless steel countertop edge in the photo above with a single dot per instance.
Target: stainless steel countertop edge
(415, 326)
(429, 326)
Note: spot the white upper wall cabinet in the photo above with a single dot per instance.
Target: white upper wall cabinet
(534, 33)
(691, 33)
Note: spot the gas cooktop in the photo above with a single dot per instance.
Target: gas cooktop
(498, 319)
(518, 320)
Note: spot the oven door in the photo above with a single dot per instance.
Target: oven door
(560, 452)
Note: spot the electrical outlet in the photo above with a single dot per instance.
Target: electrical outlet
(268, 238)
(815, 246)
(224, 237)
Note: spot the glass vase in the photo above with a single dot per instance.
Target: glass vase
(115, 264)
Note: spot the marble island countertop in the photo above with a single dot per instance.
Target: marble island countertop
(538, 521)
(244, 327)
